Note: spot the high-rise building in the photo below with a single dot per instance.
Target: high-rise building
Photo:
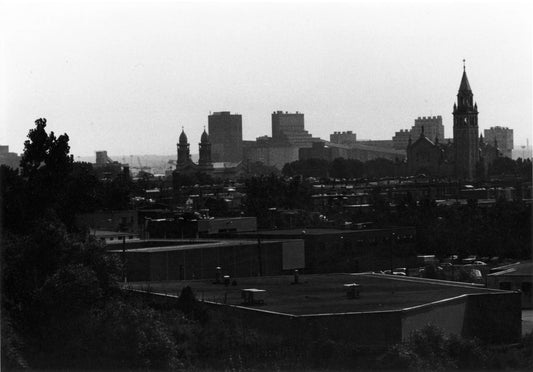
(225, 132)
(503, 137)
(433, 128)
(343, 138)
(289, 128)
(10, 159)
(430, 125)
(401, 139)
(465, 131)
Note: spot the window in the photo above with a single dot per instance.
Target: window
(526, 288)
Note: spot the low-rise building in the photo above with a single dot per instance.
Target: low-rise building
(514, 277)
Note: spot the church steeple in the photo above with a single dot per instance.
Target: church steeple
(184, 155)
(205, 150)
(465, 130)
(465, 97)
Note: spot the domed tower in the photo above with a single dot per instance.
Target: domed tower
(184, 155)
(205, 150)
(465, 131)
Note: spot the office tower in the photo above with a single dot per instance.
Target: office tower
(225, 134)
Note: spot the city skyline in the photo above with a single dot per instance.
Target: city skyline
(125, 71)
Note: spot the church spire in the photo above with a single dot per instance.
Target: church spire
(465, 85)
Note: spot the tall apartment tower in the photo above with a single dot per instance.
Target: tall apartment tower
(465, 131)
(343, 138)
(289, 128)
(225, 135)
(433, 128)
(503, 138)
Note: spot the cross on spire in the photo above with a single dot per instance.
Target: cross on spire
(464, 65)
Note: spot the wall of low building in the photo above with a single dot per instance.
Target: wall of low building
(520, 283)
(239, 260)
(220, 225)
(377, 329)
(448, 315)
(492, 317)
(109, 221)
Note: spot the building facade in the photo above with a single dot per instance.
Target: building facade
(330, 151)
(401, 139)
(501, 137)
(343, 138)
(432, 127)
(225, 131)
(7, 158)
(289, 128)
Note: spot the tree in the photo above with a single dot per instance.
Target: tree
(429, 349)
(45, 165)
(13, 202)
(44, 153)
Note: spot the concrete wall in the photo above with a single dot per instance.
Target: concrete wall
(492, 317)
(449, 315)
(375, 330)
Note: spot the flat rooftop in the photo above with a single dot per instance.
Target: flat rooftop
(318, 231)
(323, 294)
(152, 246)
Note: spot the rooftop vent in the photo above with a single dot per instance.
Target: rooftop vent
(253, 296)
(352, 290)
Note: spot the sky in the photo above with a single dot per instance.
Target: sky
(126, 76)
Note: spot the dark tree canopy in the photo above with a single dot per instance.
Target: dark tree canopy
(44, 152)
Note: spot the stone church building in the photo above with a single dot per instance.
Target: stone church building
(467, 158)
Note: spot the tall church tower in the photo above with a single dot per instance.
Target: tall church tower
(184, 155)
(205, 150)
(465, 131)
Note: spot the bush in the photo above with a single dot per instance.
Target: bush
(430, 349)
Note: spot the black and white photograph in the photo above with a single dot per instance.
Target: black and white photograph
(296, 185)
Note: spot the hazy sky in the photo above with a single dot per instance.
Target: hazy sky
(125, 76)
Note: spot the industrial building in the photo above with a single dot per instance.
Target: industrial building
(336, 250)
(514, 277)
(159, 260)
(371, 310)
